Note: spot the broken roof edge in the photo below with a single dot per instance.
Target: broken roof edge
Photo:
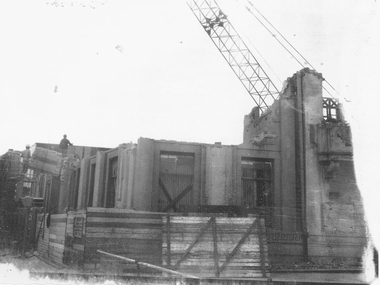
(305, 70)
(285, 86)
(216, 144)
(53, 145)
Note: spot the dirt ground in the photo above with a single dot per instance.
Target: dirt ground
(15, 270)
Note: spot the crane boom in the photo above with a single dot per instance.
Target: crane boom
(235, 52)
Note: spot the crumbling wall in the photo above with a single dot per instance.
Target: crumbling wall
(334, 213)
(316, 184)
(262, 130)
(346, 234)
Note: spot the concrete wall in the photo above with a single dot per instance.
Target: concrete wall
(126, 176)
(83, 183)
(142, 194)
(287, 144)
(310, 93)
(217, 174)
(99, 186)
(220, 178)
(316, 190)
(312, 162)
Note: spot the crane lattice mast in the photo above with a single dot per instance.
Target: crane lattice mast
(235, 51)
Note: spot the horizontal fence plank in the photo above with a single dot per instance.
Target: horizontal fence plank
(125, 236)
(57, 220)
(57, 226)
(222, 247)
(54, 241)
(58, 216)
(124, 215)
(209, 255)
(79, 247)
(231, 239)
(130, 250)
(179, 228)
(124, 220)
(92, 210)
(56, 247)
(220, 220)
(122, 225)
(123, 230)
(210, 262)
(204, 272)
(120, 241)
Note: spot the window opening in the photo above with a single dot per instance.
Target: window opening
(77, 177)
(112, 183)
(330, 109)
(92, 185)
(74, 189)
(257, 183)
(176, 181)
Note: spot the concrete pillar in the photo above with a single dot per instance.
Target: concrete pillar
(142, 194)
(203, 197)
(314, 197)
(127, 201)
(125, 175)
(219, 174)
(287, 136)
(99, 180)
(83, 183)
(63, 184)
(121, 170)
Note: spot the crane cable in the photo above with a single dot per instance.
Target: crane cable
(262, 57)
(249, 10)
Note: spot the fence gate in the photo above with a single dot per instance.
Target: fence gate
(215, 246)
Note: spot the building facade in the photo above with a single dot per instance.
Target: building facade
(294, 168)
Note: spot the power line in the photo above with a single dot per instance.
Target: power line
(279, 79)
(249, 10)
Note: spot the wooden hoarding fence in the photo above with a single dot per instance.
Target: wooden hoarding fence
(138, 263)
(215, 246)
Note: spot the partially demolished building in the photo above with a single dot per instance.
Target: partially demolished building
(294, 170)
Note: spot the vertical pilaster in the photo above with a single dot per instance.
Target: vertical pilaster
(99, 180)
(83, 183)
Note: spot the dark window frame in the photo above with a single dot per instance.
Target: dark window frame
(261, 198)
(74, 189)
(330, 109)
(182, 176)
(111, 183)
(91, 183)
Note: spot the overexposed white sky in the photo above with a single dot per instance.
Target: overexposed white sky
(110, 71)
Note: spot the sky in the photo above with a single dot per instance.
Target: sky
(107, 72)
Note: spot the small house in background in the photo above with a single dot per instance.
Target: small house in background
(294, 172)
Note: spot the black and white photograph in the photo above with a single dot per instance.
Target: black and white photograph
(206, 142)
